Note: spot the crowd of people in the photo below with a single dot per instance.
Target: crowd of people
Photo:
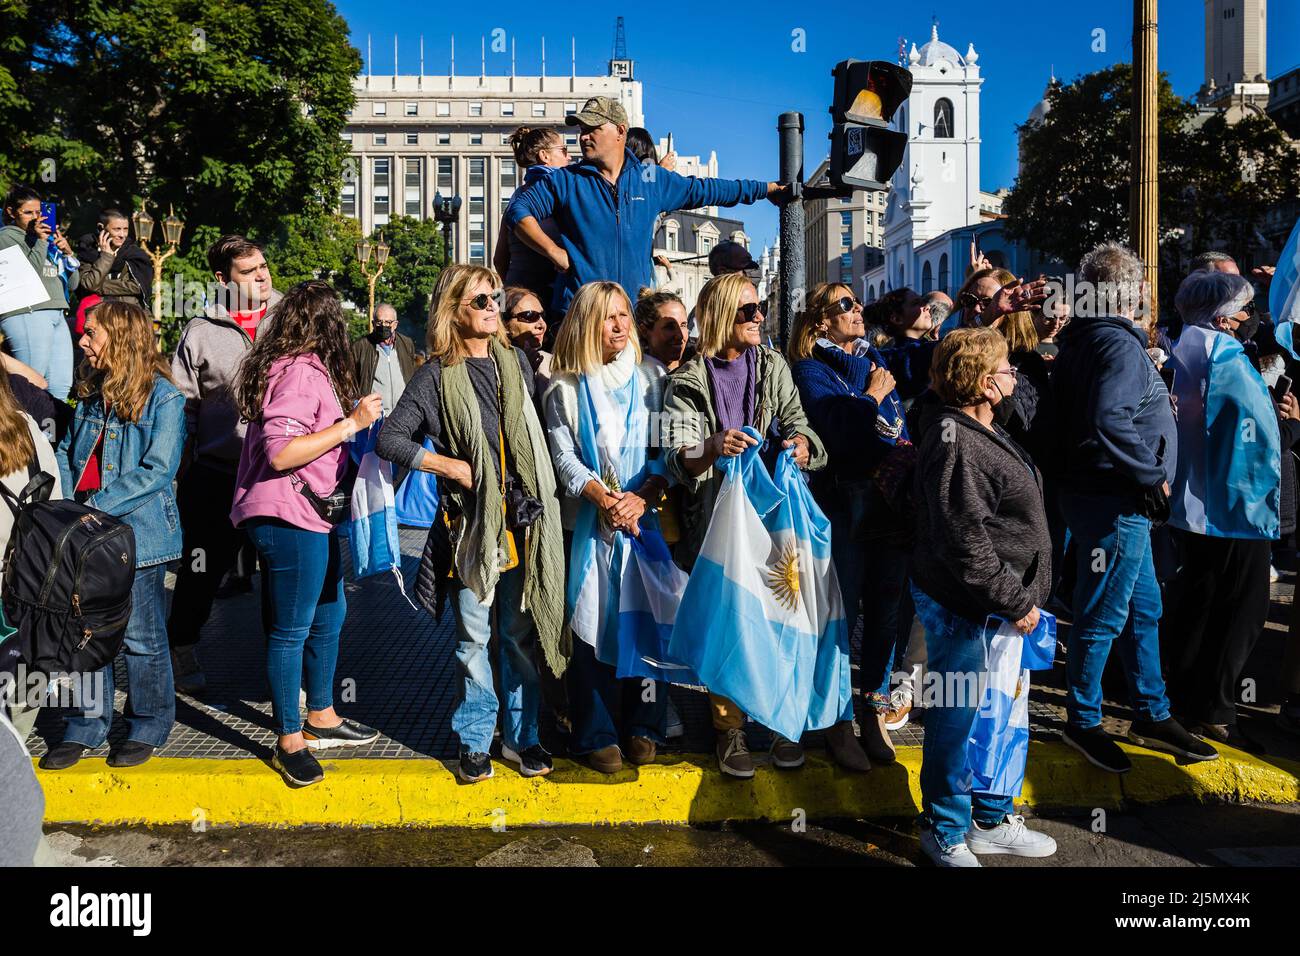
(982, 460)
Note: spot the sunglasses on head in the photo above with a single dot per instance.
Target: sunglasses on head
(530, 315)
(481, 300)
(749, 310)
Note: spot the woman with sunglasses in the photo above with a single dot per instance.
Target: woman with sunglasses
(525, 324)
(849, 395)
(497, 544)
(734, 381)
(539, 151)
(989, 294)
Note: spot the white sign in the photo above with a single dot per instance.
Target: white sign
(20, 286)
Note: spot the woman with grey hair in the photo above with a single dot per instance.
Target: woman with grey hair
(1224, 505)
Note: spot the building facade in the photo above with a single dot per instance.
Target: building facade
(843, 237)
(415, 136)
(685, 238)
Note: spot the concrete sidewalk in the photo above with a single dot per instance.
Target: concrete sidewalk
(396, 673)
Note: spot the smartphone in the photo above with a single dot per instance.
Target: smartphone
(1167, 373)
(1281, 387)
(50, 215)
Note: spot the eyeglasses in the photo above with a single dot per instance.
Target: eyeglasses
(531, 315)
(1249, 308)
(1005, 371)
(845, 304)
(750, 310)
(480, 301)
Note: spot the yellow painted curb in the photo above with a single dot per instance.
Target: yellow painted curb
(686, 789)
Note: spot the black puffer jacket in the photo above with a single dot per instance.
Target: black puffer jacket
(982, 546)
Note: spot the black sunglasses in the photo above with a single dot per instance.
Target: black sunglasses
(845, 304)
(481, 300)
(530, 315)
(749, 310)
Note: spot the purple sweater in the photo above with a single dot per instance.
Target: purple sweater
(298, 401)
(733, 388)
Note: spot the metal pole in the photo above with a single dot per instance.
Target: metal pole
(789, 128)
(1144, 196)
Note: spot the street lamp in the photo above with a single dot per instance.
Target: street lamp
(380, 250)
(446, 209)
(172, 228)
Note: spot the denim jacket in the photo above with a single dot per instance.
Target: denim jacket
(136, 470)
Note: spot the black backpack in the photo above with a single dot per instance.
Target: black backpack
(68, 572)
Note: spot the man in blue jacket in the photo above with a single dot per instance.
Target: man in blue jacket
(607, 204)
(1118, 456)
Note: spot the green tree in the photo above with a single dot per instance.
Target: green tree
(414, 263)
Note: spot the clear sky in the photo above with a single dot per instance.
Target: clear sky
(717, 74)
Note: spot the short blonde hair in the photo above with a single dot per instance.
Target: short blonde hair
(577, 344)
(715, 310)
(444, 338)
(808, 326)
(962, 361)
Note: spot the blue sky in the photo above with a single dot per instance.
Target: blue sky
(717, 75)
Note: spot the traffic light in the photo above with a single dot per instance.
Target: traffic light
(864, 150)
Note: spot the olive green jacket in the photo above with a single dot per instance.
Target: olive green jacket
(689, 418)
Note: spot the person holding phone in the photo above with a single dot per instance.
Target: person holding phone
(113, 265)
(982, 550)
(297, 390)
(38, 334)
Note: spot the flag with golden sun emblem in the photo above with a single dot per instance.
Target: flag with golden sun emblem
(762, 620)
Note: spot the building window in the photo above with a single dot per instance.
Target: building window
(570, 109)
(446, 175)
(380, 169)
(381, 139)
(846, 268)
(505, 139)
(381, 109)
(476, 109)
(507, 109)
(412, 109)
(706, 244)
(943, 119)
(348, 199)
(927, 278)
(570, 139)
(845, 200)
(346, 137)
(444, 139)
(444, 109)
(943, 272)
(508, 178)
(846, 239)
(476, 139)
(414, 207)
(412, 139)
(670, 235)
(846, 220)
(539, 109)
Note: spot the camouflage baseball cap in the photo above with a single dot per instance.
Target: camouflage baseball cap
(599, 110)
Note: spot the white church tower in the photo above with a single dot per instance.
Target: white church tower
(937, 185)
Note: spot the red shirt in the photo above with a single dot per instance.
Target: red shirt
(90, 480)
(248, 321)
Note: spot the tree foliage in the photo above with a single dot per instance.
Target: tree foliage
(414, 262)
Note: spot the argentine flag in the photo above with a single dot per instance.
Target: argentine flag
(649, 594)
(417, 498)
(1284, 292)
(999, 739)
(372, 529)
(762, 620)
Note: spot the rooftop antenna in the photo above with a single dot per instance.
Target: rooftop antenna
(453, 54)
(620, 40)
(395, 69)
(421, 83)
(482, 63)
(573, 57)
(543, 57)
(369, 71)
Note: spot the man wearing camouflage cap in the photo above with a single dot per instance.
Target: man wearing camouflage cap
(606, 205)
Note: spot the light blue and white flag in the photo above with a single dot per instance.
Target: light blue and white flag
(762, 620)
(372, 529)
(1284, 292)
(417, 496)
(649, 595)
(1228, 480)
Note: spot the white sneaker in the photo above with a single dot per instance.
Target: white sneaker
(900, 709)
(958, 855)
(675, 726)
(1011, 836)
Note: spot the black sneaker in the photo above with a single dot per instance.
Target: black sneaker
(130, 754)
(63, 756)
(474, 766)
(534, 761)
(347, 734)
(1098, 748)
(1230, 735)
(299, 769)
(1168, 735)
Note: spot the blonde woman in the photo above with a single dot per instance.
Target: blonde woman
(498, 544)
(599, 410)
(121, 456)
(734, 381)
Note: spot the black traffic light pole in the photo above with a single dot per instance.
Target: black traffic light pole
(789, 128)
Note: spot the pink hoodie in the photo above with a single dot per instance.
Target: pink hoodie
(298, 401)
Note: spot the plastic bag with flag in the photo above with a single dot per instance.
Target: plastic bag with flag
(762, 620)
(999, 741)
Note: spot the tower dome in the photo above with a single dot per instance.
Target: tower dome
(936, 51)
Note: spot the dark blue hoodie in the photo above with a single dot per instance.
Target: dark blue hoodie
(608, 230)
(1116, 425)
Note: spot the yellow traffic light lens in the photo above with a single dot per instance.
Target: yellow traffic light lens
(867, 103)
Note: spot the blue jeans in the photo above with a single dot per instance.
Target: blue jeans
(304, 587)
(475, 716)
(150, 696)
(1116, 597)
(601, 705)
(41, 339)
(957, 650)
(872, 573)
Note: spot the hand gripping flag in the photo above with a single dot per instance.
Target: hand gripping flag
(372, 528)
(999, 738)
(1284, 292)
(417, 497)
(762, 620)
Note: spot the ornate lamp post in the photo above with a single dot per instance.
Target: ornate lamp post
(446, 209)
(380, 251)
(172, 228)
